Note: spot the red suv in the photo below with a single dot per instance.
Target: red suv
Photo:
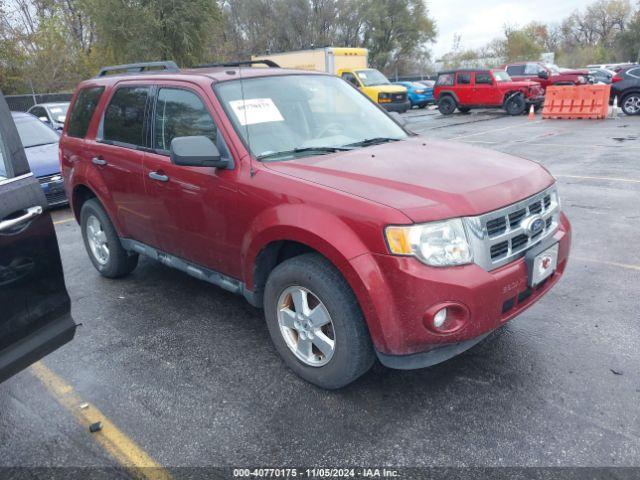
(359, 239)
(547, 74)
(467, 89)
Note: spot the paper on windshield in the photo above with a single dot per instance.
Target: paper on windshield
(256, 110)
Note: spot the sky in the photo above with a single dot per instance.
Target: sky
(480, 21)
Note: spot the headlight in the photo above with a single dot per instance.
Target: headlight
(384, 95)
(581, 79)
(419, 92)
(439, 244)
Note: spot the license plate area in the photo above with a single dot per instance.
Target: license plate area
(542, 264)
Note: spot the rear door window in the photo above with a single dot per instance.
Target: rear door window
(82, 111)
(463, 78)
(124, 117)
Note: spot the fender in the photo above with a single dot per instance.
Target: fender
(449, 92)
(319, 230)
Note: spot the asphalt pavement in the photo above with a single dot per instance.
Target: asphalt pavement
(187, 372)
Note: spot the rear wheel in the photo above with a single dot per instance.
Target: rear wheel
(316, 323)
(102, 242)
(515, 104)
(630, 104)
(446, 105)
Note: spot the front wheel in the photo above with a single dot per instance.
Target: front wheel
(630, 104)
(515, 105)
(446, 105)
(102, 242)
(316, 323)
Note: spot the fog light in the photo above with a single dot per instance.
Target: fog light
(439, 318)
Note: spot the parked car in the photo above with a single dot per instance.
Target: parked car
(546, 74)
(53, 114)
(40, 143)
(419, 95)
(35, 317)
(625, 87)
(467, 89)
(427, 83)
(291, 188)
(601, 75)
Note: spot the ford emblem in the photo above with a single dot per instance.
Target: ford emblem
(533, 225)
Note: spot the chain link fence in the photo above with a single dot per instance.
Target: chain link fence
(22, 103)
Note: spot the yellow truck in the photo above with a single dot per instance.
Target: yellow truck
(351, 65)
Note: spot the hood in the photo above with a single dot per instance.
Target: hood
(43, 159)
(425, 179)
(521, 84)
(388, 88)
(570, 71)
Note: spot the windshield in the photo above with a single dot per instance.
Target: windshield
(501, 76)
(277, 115)
(371, 77)
(33, 132)
(59, 112)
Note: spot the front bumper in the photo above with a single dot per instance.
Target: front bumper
(405, 290)
(399, 107)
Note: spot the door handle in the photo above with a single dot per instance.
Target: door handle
(158, 176)
(32, 212)
(99, 161)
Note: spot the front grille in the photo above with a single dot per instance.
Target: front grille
(500, 237)
(53, 188)
(398, 97)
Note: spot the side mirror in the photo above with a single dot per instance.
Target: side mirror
(399, 119)
(543, 74)
(198, 151)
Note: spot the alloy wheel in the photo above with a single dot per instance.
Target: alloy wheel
(631, 104)
(97, 239)
(306, 326)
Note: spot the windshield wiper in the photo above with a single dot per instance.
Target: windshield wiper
(372, 141)
(304, 150)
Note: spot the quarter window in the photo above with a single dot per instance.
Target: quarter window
(180, 113)
(82, 111)
(445, 79)
(124, 118)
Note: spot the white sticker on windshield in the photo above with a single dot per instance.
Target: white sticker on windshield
(55, 109)
(362, 75)
(256, 110)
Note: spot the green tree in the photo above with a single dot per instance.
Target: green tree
(629, 41)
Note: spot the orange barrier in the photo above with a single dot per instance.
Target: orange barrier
(586, 101)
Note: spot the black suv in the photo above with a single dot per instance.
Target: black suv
(35, 314)
(625, 86)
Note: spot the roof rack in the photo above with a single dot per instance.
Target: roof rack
(139, 67)
(268, 63)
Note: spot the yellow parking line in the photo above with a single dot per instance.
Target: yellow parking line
(604, 262)
(64, 220)
(610, 179)
(125, 451)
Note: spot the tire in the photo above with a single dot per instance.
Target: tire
(515, 105)
(446, 105)
(327, 293)
(98, 232)
(464, 109)
(630, 104)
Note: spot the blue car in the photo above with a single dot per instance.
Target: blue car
(419, 94)
(41, 147)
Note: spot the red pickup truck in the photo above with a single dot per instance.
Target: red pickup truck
(359, 239)
(546, 74)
